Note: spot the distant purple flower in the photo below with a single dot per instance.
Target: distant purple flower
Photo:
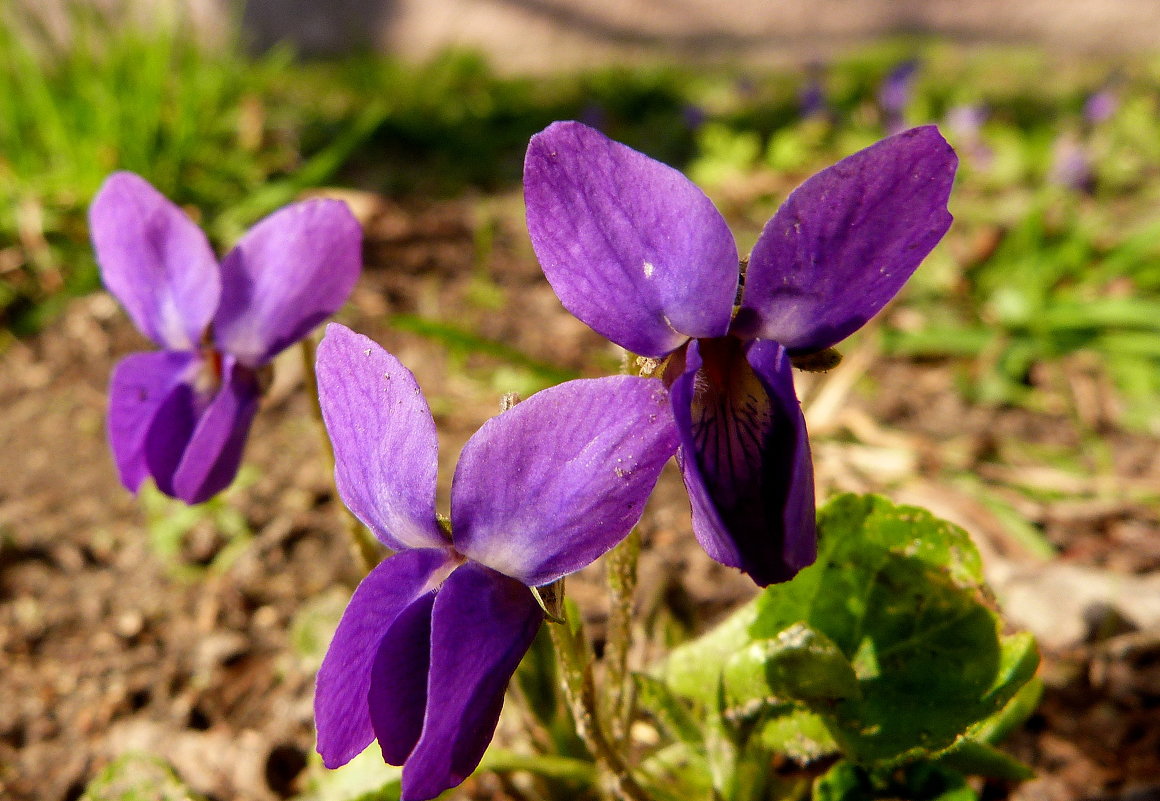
(431, 637)
(812, 100)
(895, 93)
(965, 124)
(1101, 106)
(639, 253)
(181, 415)
(694, 116)
(1071, 165)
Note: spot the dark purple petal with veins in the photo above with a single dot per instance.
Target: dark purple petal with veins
(140, 385)
(386, 451)
(155, 260)
(342, 713)
(210, 460)
(551, 484)
(398, 691)
(745, 458)
(173, 425)
(288, 273)
(845, 241)
(631, 246)
(482, 625)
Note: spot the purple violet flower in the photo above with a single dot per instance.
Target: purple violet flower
(432, 635)
(895, 93)
(181, 415)
(640, 254)
(1101, 106)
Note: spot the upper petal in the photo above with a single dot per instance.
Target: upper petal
(631, 246)
(386, 452)
(482, 625)
(342, 713)
(140, 384)
(155, 260)
(288, 273)
(845, 241)
(551, 484)
(214, 451)
(745, 458)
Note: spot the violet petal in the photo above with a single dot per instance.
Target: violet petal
(155, 261)
(140, 384)
(397, 697)
(341, 711)
(551, 484)
(211, 458)
(631, 246)
(482, 625)
(845, 241)
(172, 427)
(288, 273)
(386, 451)
(745, 458)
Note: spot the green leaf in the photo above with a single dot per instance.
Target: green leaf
(800, 664)
(799, 734)
(670, 712)
(995, 729)
(694, 669)
(922, 782)
(890, 639)
(974, 758)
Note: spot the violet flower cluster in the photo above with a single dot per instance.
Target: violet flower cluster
(640, 254)
(432, 635)
(181, 415)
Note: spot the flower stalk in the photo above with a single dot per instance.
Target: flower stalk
(618, 692)
(575, 661)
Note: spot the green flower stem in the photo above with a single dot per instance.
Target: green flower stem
(365, 548)
(499, 760)
(618, 690)
(576, 679)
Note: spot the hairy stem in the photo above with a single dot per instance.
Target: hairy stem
(365, 548)
(579, 691)
(618, 690)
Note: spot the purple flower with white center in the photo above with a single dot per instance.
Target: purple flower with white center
(640, 254)
(432, 635)
(181, 415)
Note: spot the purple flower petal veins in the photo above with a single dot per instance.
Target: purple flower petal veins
(378, 420)
(182, 416)
(835, 253)
(745, 458)
(844, 242)
(631, 246)
(431, 638)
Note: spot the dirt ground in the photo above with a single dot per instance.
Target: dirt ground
(108, 646)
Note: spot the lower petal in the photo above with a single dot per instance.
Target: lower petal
(140, 386)
(745, 458)
(342, 712)
(398, 691)
(211, 458)
(482, 625)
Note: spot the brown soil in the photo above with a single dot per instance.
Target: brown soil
(110, 646)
